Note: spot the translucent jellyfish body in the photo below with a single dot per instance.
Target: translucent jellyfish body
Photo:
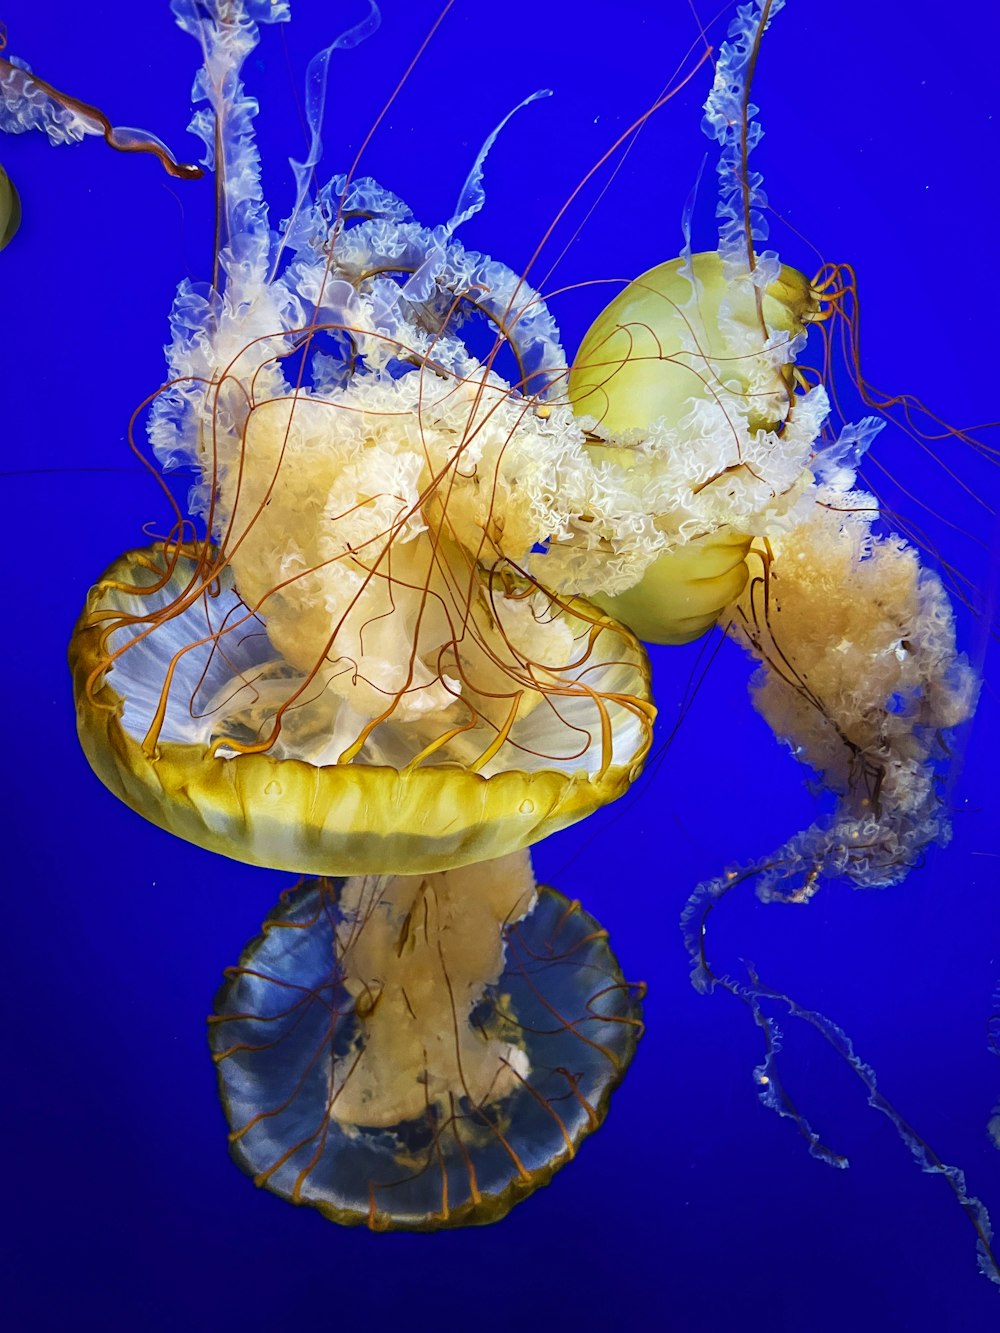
(420, 1051)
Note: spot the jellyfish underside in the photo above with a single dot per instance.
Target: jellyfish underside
(386, 811)
(414, 1052)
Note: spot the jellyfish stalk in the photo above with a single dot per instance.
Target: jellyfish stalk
(417, 952)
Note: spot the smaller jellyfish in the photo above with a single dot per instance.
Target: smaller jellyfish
(691, 386)
(695, 372)
(770, 536)
(417, 1052)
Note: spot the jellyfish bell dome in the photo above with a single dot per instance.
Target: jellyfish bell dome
(688, 330)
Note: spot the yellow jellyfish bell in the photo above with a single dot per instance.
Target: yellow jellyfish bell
(679, 336)
(681, 331)
(176, 681)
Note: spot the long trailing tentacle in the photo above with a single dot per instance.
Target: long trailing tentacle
(28, 102)
(772, 1089)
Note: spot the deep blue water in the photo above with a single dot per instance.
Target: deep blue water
(694, 1209)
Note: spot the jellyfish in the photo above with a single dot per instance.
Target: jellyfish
(690, 386)
(340, 663)
(387, 1057)
(397, 640)
(694, 371)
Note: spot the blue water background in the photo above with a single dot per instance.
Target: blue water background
(694, 1209)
